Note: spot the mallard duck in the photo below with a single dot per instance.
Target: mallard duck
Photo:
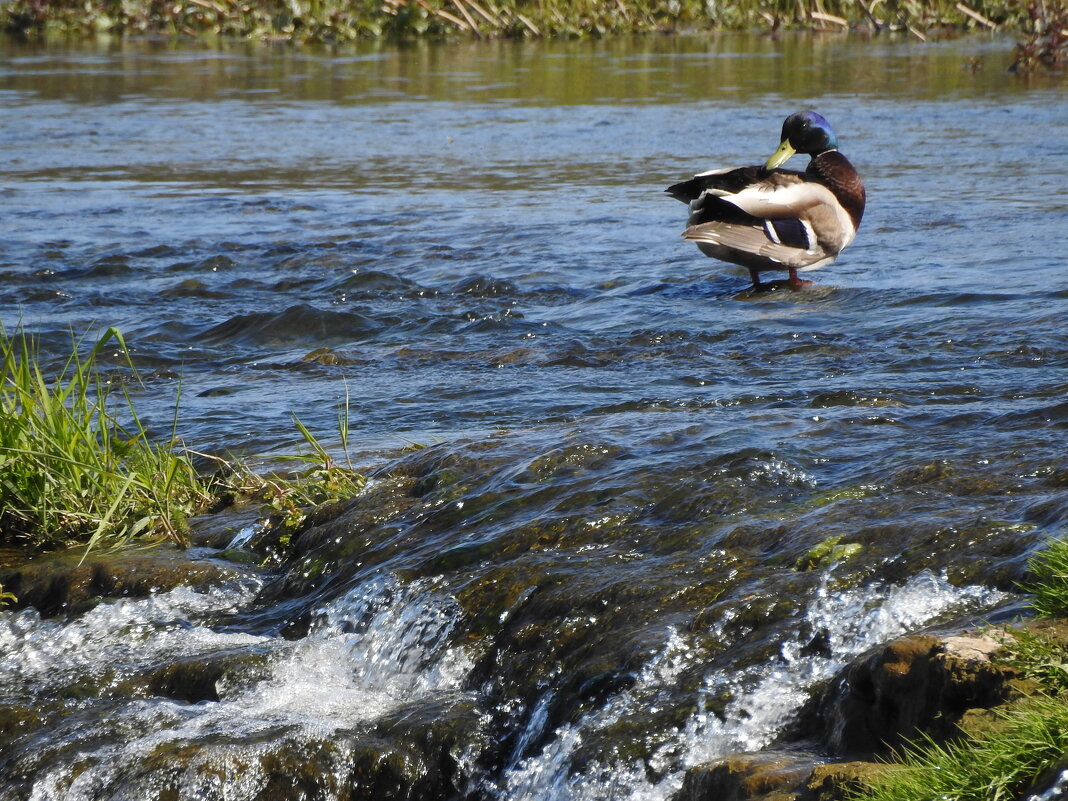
(765, 218)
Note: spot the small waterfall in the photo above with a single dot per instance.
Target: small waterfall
(378, 649)
(765, 697)
(381, 645)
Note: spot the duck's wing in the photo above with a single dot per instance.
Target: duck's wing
(782, 195)
(715, 183)
(782, 216)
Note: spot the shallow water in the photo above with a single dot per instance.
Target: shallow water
(629, 453)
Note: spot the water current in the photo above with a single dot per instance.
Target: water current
(590, 576)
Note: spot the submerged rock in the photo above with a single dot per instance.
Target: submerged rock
(69, 582)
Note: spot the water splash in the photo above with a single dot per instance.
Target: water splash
(381, 645)
(765, 697)
(117, 639)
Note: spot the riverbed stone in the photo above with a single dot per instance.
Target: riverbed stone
(758, 776)
(918, 684)
(69, 582)
(838, 781)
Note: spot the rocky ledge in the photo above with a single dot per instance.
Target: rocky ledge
(915, 686)
(69, 582)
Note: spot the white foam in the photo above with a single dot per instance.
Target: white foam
(381, 645)
(765, 697)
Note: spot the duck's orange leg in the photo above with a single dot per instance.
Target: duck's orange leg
(795, 283)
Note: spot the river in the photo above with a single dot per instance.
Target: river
(597, 462)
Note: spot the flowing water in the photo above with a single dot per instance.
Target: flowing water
(591, 578)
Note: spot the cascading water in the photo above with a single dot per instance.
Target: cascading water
(594, 576)
(765, 698)
(380, 645)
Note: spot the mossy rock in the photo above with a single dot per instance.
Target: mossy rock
(828, 552)
(914, 685)
(763, 775)
(69, 582)
(839, 781)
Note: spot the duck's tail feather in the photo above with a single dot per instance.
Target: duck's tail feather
(754, 240)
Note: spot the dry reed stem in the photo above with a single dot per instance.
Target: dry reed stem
(976, 16)
(467, 16)
(496, 23)
(530, 25)
(455, 20)
(820, 15)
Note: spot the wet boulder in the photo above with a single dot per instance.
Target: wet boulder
(919, 684)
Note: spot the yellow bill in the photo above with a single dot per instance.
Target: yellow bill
(780, 156)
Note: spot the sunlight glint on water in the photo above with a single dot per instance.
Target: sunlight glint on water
(765, 698)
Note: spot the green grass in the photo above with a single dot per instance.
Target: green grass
(76, 464)
(347, 20)
(995, 765)
(1049, 568)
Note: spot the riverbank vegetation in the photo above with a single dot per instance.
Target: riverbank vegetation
(77, 464)
(70, 470)
(347, 20)
(1020, 742)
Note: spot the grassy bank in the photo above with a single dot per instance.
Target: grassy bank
(78, 466)
(346, 20)
(75, 461)
(1025, 739)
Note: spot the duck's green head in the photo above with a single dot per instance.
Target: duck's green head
(803, 132)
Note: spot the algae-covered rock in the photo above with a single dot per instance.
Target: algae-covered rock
(828, 552)
(838, 781)
(764, 775)
(70, 582)
(914, 685)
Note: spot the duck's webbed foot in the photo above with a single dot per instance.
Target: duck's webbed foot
(794, 282)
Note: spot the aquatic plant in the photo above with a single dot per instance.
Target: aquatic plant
(70, 468)
(289, 496)
(338, 21)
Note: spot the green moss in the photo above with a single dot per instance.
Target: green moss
(828, 552)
